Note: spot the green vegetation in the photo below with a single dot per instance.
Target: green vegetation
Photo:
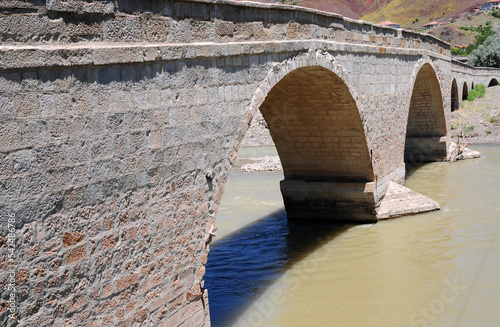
(481, 90)
(415, 20)
(484, 33)
(487, 54)
(468, 129)
(496, 13)
(453, 127)
(488, 132)
(472, 95)
(458, 51)
(478, 92)
(493, 120)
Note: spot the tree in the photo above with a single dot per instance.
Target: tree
(487, 54)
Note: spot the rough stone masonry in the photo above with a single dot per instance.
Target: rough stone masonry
(120, 120)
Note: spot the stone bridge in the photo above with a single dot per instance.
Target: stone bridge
(120, 120)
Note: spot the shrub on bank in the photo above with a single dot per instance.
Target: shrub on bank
(477, 92)
(480, 90)
(487, 54)
(472, 95)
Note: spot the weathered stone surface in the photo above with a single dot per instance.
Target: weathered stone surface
(401, 201)
(76, 254)
(461, 152)
(469, 154)
(81, 6)
(114, 155)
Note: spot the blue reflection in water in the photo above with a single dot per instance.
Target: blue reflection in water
(243, 264)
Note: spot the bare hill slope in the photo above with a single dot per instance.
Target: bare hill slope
(404, 12)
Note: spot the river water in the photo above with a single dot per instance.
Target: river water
(434, 269)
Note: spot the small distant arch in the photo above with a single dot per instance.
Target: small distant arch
(472, 86)
(465, 91)
(493, 82)
(454, 95)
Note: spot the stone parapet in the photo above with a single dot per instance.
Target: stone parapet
(16, 56)
(192, 21)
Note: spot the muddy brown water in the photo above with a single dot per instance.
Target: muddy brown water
(435, 269)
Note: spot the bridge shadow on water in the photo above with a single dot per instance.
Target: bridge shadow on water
(242, 265)
(413, 167)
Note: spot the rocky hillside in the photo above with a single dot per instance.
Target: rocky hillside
(452, 33)
(408, 13)
(413, 14)
(348, 8)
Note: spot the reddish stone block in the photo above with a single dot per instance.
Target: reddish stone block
(39, 271)
(77, 302)
(157, 279)
(204, 258)
(75, 254)
(108, 223)
(107, 290)
(72, 238)
(21, 276)
(127, 281)
(147, 269)
(109, 242)
(194, 293)
(106, 305)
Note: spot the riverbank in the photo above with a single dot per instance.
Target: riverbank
(478, 121)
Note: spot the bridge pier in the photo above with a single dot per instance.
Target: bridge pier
(426, 149)
(329, 200)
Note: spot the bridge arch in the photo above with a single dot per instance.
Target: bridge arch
(493, 82)
(472, 87)
(426, 123)
(454, 96)
(316, 125)
(465, 91)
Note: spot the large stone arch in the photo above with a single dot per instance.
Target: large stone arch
(316, 125)
(426, 123)
(493, 82)
(454, 96)
(465, 91)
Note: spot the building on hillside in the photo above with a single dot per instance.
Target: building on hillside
(430, 25)
(491, 5)
(390, 24)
